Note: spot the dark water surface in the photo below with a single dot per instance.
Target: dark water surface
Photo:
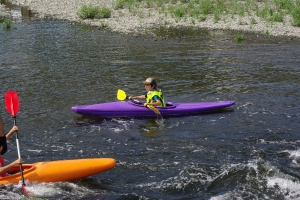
(250, 151)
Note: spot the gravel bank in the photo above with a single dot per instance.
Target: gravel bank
(123, 21)
(4, 13)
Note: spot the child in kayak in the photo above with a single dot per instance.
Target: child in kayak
(3, 149)
(154, 95)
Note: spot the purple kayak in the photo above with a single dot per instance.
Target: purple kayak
(131, 109)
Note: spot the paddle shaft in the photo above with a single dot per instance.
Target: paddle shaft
(19, 153)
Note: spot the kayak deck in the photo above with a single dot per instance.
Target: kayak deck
(132, 109)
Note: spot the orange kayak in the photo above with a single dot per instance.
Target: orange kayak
(60, 170)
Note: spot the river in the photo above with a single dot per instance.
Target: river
(248, 151)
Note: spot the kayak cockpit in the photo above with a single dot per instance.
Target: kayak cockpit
(14, 174)
(139, 103)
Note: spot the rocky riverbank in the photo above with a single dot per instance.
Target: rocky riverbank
(123, 21)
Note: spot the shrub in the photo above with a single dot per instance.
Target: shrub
(6, 23)
(103, 13)
(91, 12)
(88, 11)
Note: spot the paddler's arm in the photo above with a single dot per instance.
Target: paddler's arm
(2, 138)
(137, 97)
(7, 167)
(13, 130)
(1, 128)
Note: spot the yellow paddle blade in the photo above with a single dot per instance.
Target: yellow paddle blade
(153, 109)
(121, 95)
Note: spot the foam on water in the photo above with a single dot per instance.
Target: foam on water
(289, 187)
(49, 190)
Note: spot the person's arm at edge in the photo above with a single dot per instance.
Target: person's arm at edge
(1, 128)
(2, 138)
(7, 167)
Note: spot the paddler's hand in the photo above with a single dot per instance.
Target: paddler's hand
(14, 129)
(146, 104)
(18, 161)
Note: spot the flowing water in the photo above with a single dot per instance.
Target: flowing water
(248, 151)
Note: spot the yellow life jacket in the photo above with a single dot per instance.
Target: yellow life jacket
(157, 93)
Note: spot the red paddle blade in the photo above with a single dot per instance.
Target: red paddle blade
(24, 189)
(12, 102)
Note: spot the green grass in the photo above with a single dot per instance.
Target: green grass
(267, 32)
(239, 37)
(179, 11)
(120, 4)
(296, 14)
(268, 10)
(197, 11)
